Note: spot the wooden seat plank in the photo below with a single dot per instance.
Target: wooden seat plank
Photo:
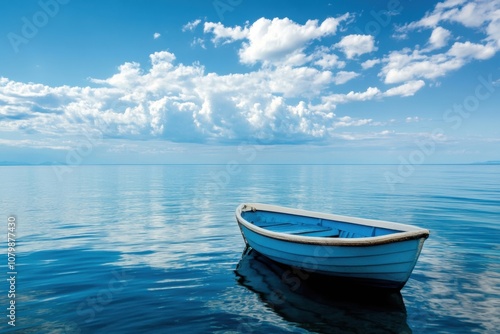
(298, 229)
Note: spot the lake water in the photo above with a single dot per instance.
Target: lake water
(156, 249)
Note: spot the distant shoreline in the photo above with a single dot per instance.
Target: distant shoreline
(13, 164)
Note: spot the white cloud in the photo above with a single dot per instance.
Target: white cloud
(290, 97)
(449, 4)
(190, 26)
(369, 94)
(181, 103)
(413, 119)
(407, 65)
(355, 45)
(493, 30)
(472, 50)
(347, 121)
(482, 15)
(406, 89)
(344, 76)
(278, 40)
(439, 38)
(225, 34)
(175, 102)
(156, 35)
(198, 41)
(370, 63)
(296, 82)
(470, 15)
(328, 60)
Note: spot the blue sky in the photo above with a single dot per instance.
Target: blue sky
(84, 82)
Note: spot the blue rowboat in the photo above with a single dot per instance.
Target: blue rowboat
(366, 251)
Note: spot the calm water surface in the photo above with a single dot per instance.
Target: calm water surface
(156, 249)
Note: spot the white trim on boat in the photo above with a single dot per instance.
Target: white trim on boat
(408, 232)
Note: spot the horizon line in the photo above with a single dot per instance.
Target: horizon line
(12, 164)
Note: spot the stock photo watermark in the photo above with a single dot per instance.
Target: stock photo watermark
(75, 157)
(11, 270)
(381, 19)
(292, 279)
(95, 304)
(224, 6)
(223, 177)
(31, 25)
(454, 117)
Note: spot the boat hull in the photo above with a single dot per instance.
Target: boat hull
(385, 264)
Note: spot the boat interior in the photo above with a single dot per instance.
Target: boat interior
(312, 226)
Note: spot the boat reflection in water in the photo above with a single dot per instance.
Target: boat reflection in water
(319, 303)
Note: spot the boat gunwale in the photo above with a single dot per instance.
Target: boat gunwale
(409, 232)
